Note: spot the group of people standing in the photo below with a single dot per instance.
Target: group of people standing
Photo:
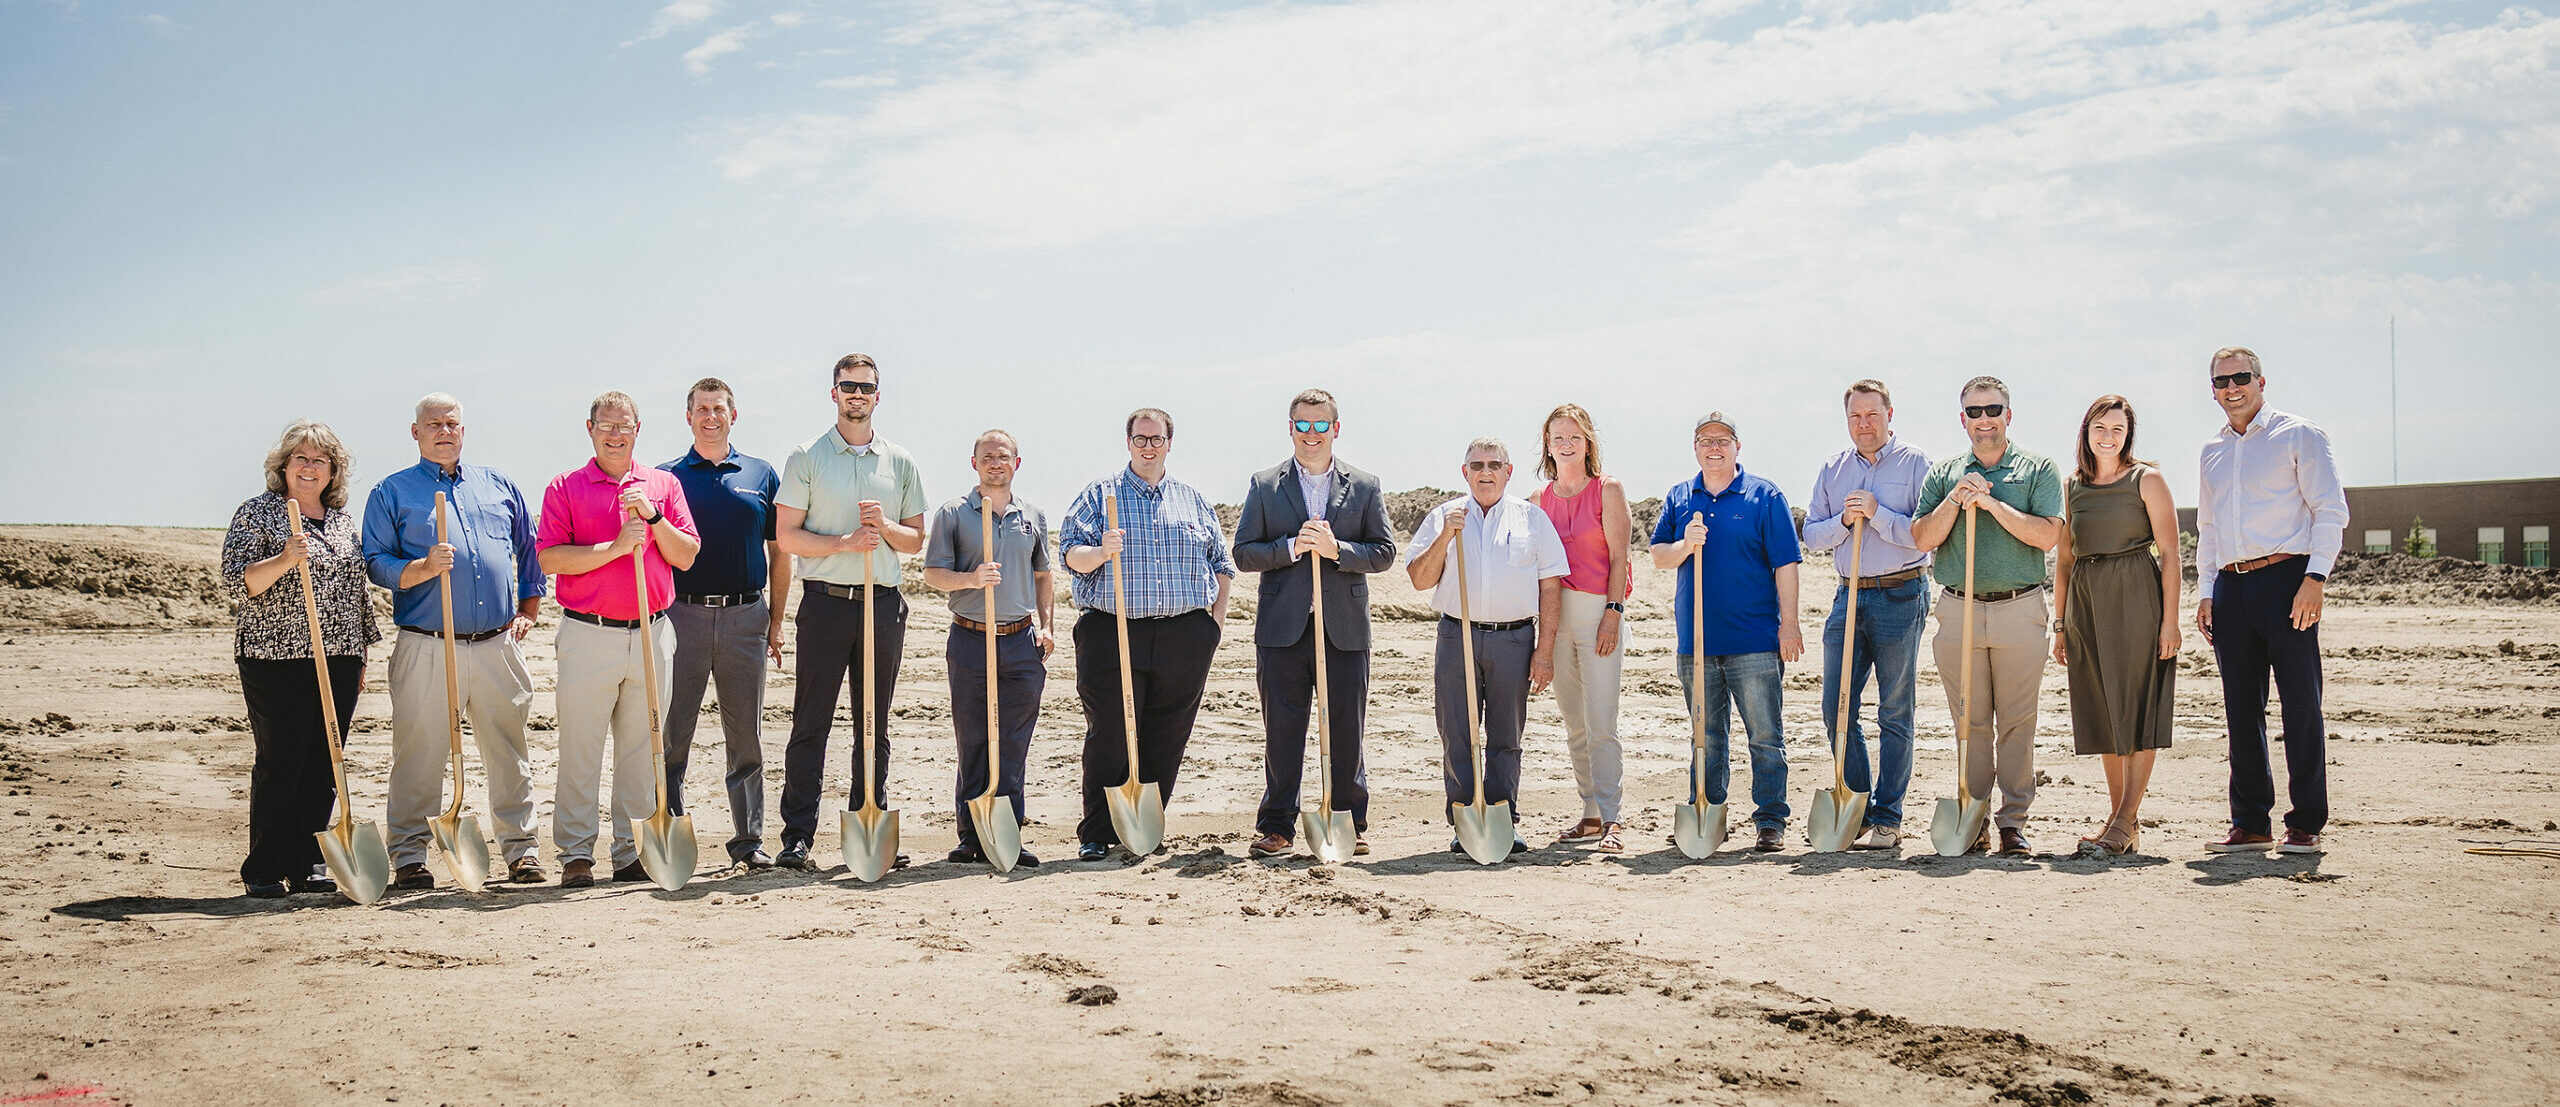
(716, 538)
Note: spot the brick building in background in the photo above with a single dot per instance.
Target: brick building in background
(2503, 522)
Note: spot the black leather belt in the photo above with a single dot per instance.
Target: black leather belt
(975, 627)
(1890, 579)
(1995, 597)
(483, 636)
(599, 620)
(1489, 628)
(844, 591)
(740, 599)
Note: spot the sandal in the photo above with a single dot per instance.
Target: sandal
(1585, 831)
(2131, 842)
(1609, 841)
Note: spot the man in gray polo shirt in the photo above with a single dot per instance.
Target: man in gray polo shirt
(956, 561)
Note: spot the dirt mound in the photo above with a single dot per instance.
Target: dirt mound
(2399, 578)
(1406, 509)
(102, 577)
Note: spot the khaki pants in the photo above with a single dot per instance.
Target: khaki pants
(1587, 692)
(2009, 651)
(497, 692)
(601, 677)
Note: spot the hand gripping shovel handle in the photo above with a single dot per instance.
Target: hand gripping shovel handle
(1120, 612)
(452, 679)
(649, 671)
(320, 663)
(1848, 649)
(1964, 670)
(1467, 659)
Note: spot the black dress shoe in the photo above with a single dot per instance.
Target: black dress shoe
(1518, 847)
(899, 863)
(795, 856)
(266, 890)
(966, 855)
(1092, 851)
(630, 874)
(313, 885)
(757, 859)
(1026, 860)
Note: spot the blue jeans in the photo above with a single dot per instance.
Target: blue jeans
(1750, 681)
(1889, 624)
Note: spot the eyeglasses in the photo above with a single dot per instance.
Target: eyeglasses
(1311, 426)
(1984, 411)
(1487, 465)
(1718, 443)
(610, 430)
(2240, 379)
(1151, 441)
(994, 459)
(858, 388)
(306, 461)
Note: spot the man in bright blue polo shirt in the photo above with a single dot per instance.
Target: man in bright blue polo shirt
(1741, 527)
(497, 591)
(726, 627)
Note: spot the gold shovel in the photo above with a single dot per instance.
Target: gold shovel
(353, 850)
(665, 841)
(1957, 825)
(1484, 831)
(466, 851)
(1835, 816)
(1328, 832)
(1698, 827)
(1137, 808)
(870, 832)
(999, 836)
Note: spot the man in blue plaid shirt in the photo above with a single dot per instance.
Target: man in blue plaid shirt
(1175, 569)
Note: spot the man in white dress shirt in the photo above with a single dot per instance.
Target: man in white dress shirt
(1515, 593)
(2268, 528)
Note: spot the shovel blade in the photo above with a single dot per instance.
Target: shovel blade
(1484, 830)
(666, 847)
(1834, 820)
(1698, 830)
(466, 850)
(356, 859)
(870, 843)
(1329, 833)
(999, 836)
(1957, 825)
(1137, 815)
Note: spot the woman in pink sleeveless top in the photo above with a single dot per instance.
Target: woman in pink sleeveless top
(1589, 510)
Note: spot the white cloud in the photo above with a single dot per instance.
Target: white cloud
(158, 24)
(698, 60)
(676, 17)
(411, 284)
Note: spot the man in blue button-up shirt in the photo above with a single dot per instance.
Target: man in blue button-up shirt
(497, 591)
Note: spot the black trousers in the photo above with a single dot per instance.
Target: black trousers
(1169, 661)
(830, 648)
(1021, 676)
(1502, 700)
(2253, 638)
(1287, 678)
(292, 791)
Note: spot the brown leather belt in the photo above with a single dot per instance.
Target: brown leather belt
(975, 627)
(1995, 597)
(2256, 563)
(1890, 579)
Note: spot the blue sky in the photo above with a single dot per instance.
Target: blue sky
(1039, 214)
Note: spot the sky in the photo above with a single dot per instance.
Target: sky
(1453, 214)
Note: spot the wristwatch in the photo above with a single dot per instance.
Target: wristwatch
(2321, 577)
(1614, 605)
(2057, 626)
(654, 520)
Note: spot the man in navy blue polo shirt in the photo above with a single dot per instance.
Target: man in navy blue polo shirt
(1741, 526)
(726, 629)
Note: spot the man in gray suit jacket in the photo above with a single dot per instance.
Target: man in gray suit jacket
(1312, 505)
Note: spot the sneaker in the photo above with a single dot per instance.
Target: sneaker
(757, 859)
(795, 856)
(525, 870)
(2299, 841)
(2241, 841)
(319, 883)
(1360, 845)
(1269, 845)
(1879, 837)
(1092, 851)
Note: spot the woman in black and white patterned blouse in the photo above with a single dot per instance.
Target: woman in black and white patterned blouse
(291, 787)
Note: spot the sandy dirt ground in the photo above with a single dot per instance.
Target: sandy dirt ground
(2395, 969)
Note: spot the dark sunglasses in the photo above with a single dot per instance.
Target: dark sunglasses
(1311, 426)
(1487, 465)
(859, 388)
(2240, 379)
(1984, 411)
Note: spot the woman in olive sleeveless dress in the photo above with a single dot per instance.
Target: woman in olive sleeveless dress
(2118, 602)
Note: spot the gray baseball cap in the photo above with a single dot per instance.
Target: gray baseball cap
(1717, 417)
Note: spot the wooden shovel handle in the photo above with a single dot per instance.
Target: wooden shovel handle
(1120, 611)
(1964, 669)
(320, 663)
(1848, 650)
(452, 679)
(987, 552)
(1324, 721)
(1467, 658)
(649, 671)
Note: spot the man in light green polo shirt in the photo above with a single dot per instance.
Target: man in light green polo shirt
(2019, 495)
(846, 498)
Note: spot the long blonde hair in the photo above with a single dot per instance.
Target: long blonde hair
(1590, 441)
(317, 433)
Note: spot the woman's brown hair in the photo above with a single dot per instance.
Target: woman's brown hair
(2089, 458)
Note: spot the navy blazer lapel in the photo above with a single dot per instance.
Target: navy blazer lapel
(1341, 492)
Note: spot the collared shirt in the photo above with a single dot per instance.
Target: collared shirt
(1894, 478)
(2024, 480)
(272, 624)
(488, 521)
(583, 507)
(732, 501)
(1751, 533)
(1510, 548)
(1314, 488)
(2273, 489)
(1172, 549)
(829, 478)
(1022, 549)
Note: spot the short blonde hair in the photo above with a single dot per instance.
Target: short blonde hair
(320, 437)
(621, 400)
(1590, 441)
(2230, 353)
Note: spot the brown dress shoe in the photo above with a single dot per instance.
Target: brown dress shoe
(1771, 840)
(2013, 843)
(578, 873)
(413, 876)
(1269, 845)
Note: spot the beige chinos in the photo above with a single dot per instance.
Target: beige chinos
(2009, 647)
(601, 677)
(497, 694)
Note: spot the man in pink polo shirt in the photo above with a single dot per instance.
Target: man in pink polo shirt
(594, 518)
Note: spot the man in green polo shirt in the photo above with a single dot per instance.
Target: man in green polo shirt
(2020, 496)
